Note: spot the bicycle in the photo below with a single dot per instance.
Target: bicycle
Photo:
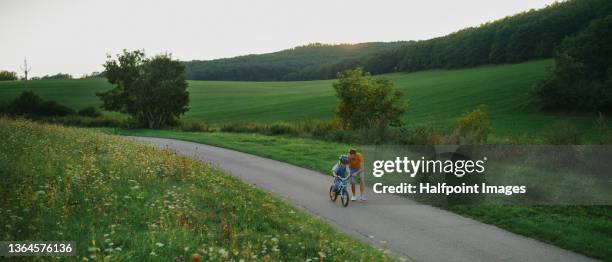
(339, 186)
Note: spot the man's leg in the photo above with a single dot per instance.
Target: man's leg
(353, 197)
(362, 186)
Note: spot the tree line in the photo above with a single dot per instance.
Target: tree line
(299, 63)
(534, 34)
(581, 79)
(12, 76)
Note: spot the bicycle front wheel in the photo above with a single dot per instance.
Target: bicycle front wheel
(344, 196)
(332, 193)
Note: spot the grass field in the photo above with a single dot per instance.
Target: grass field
(435, 96)
(120, 200)
(584, 229)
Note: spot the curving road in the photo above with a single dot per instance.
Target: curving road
(411, 231)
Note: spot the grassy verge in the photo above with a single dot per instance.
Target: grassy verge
(584, 229)
(121, 200)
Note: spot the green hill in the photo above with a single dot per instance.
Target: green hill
(435, 96)
(530, 35)
(302, 62)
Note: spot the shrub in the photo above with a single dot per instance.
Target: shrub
(52, 108)
(374, 134)
(282, 128)
(25, 104)
(89, 111)
(562, 133)
(85, 121)
(242, 127)
(428, 134)
(341, 135)
(195, 126)
(4, 107)
(323, 128)
(474, 127)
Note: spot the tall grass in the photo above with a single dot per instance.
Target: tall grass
(121, 200)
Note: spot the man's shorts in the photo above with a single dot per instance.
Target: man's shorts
(354, 178)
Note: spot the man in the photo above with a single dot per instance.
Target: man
(356, 169)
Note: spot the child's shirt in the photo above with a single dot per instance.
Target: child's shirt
(341, 170)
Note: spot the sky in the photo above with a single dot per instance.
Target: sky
(75, 36)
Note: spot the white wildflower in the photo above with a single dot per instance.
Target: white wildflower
(223, 252)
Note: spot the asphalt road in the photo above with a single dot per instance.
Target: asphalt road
(409, 230)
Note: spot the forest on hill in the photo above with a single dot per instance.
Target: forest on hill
(534, 34)
(296, 63)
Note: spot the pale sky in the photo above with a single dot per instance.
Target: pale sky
(74, 36)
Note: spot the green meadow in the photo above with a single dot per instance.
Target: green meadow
(122, 201)
(436, 97)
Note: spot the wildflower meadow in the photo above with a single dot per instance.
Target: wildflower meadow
(121, 200)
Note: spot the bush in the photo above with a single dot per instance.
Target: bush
(341, 136)
(29, 104)
(242, 127)
(428, 134)
(374, 134)
(25, 104)
(282, 128)
(474, 127)
(4, 107)
(195, 126)
(89, 111)
(52, 108)
(562, 133)
(323, 128)
(85, 121)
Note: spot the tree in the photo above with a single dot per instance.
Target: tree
(153, 91)
(582, 76)
(366, 101)
(8, 76)
(56, 77)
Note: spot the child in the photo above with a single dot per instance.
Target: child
(340, 169)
